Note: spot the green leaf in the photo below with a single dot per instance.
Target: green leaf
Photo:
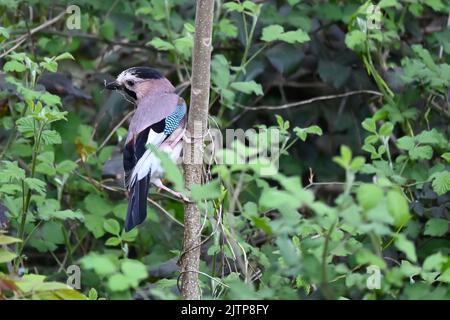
(63, 56)
(130, 236)
(118, 282)
(6, 256)
(4, 240)
(441, 182)
(369, 196)
(97, 205)
(112, 226)
(94, 224)
(14, 66)
(398, 208)
(272, 33)
(356, 40)
(66, 166)
(365, 257)
(50, 137)
(369, 125)
(172, 171)
(248, 87)
(36, 185)
(4, 32)
(346, 157)
(386, 129)
(406, 143)
(298, 36)
(135, 271)
(421, 153)
(160, 44)
(302, 133)
(93, 295)
(434, 262)
(107, 30)
(102, 264)
(113, 241)
(210, 190)
(406, 246)
(446, 156)
(436, 227)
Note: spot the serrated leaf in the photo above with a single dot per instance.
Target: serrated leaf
(441, 182)
(436, 227)
(14, 66)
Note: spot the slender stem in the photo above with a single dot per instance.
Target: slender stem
(26, 203)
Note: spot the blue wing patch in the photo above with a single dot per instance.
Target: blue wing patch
(174, 119)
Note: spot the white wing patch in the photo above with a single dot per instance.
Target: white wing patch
(148, 161)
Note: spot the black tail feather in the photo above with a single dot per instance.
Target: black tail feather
(137, 204)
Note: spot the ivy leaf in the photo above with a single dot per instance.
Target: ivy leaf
(436, 227)
(248, 87)
(441, 182)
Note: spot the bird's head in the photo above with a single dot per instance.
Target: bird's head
(139, 82)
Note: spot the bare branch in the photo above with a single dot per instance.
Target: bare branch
(303, 102)
(193, 145)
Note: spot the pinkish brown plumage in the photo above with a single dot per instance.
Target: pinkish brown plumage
(159, 120)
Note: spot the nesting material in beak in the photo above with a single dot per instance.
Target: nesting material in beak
(113, 85)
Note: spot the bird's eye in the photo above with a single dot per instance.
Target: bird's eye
(130, 83)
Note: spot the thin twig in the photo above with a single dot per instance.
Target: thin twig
(24, 37)
(303, 102)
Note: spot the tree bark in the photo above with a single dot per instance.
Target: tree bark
(193, 145)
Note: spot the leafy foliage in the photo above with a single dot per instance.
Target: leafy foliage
(351, 183)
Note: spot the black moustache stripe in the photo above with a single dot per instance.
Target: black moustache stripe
(130, 93)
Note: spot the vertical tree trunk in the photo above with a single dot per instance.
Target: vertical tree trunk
(193, 145)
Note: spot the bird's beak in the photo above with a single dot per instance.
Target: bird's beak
(114, 85)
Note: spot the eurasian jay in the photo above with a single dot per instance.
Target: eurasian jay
(159, 120)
